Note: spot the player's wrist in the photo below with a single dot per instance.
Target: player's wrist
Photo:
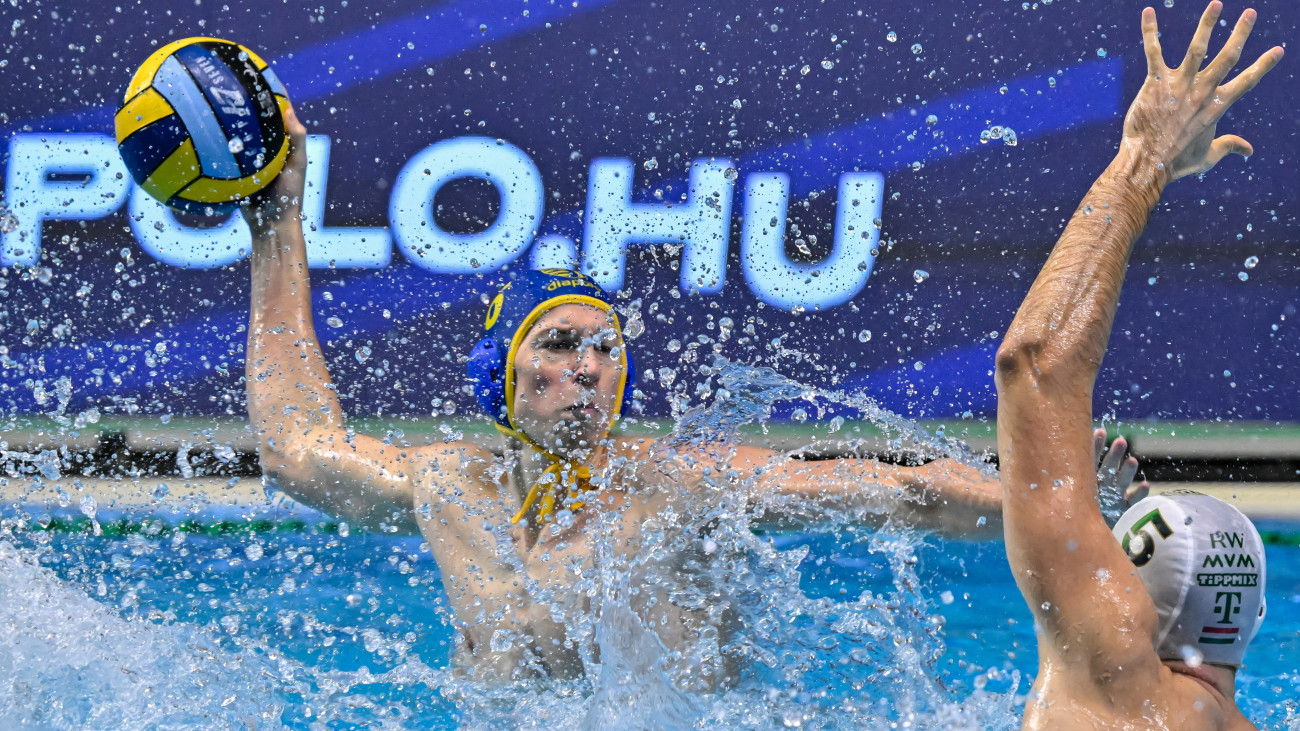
(277, 225)
(1141, 168)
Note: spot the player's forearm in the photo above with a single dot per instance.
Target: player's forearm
(952, 497)
(1059, 334)
(289, 388)
(944, 495)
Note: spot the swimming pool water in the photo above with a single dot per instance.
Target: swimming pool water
(330, 631)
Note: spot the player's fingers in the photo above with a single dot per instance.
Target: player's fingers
(1137, 493)
(1201, 40)
(1230, 92)
(1127, 472)
(1098, 444)
(1231, 51)
(292, 124)
(1228, 145)
(1114, 461)
(1151, 43)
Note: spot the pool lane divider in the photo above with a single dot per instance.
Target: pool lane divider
(159, 527)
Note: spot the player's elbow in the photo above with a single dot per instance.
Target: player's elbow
(281, 460)
(1017, 361)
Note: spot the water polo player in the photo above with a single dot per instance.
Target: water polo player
(1146, 631)
(514, 535)
(511, 535)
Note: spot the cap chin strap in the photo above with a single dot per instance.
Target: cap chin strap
(566, 476)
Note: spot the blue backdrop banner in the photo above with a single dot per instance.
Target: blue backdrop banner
(857, 196)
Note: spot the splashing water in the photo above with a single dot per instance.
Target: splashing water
(758, 651)
(72, 662)
(709, 621)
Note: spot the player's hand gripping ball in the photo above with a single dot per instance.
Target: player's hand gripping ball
(202, 125)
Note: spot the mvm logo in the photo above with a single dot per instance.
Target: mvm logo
(1229, 561)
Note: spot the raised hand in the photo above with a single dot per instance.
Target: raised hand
(1177, 110)
(1115, 473)
(282, 199)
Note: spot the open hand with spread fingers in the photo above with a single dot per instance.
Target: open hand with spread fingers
(1116, 469)
(1174, 117)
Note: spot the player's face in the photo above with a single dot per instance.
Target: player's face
(567, 374)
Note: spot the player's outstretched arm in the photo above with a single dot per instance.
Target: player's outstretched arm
(304, 445)
(1092, 609)
(944, 495)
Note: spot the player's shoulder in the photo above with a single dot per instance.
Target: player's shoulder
(464, 465)
(1063, 701)
(1195, 703)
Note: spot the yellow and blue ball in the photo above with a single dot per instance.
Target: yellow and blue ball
(202, 125)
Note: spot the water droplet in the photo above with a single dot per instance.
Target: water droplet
(1169, 3)
(864, 336)
(916, 48)
(634, 327)
(254, 551)
(1251, 261)
(1192, 656)
(806, 68)
(918, 366)
(1101, 52)
(946, 597)
(891, 36)
(1009, 137)
(828, 64)
(650, 164)
(920, 275)
(932, 120)
(1151, 280)
(502, 640)
(363, 354)
(735, 104)
(235, 144)
(731, 173)
(1051, 81)
(334, 322)
(1243, 276)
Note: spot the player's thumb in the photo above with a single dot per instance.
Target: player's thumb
(1227, 145)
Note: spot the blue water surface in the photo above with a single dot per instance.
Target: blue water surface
(360, 619)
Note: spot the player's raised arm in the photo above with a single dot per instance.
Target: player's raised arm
(1092, 609)
(303, 444)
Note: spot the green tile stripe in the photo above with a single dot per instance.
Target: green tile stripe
(154, 527)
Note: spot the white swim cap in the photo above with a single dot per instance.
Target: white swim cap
(1203, 564)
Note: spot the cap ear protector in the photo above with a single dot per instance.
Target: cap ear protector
(486, 371)
(518, 305)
